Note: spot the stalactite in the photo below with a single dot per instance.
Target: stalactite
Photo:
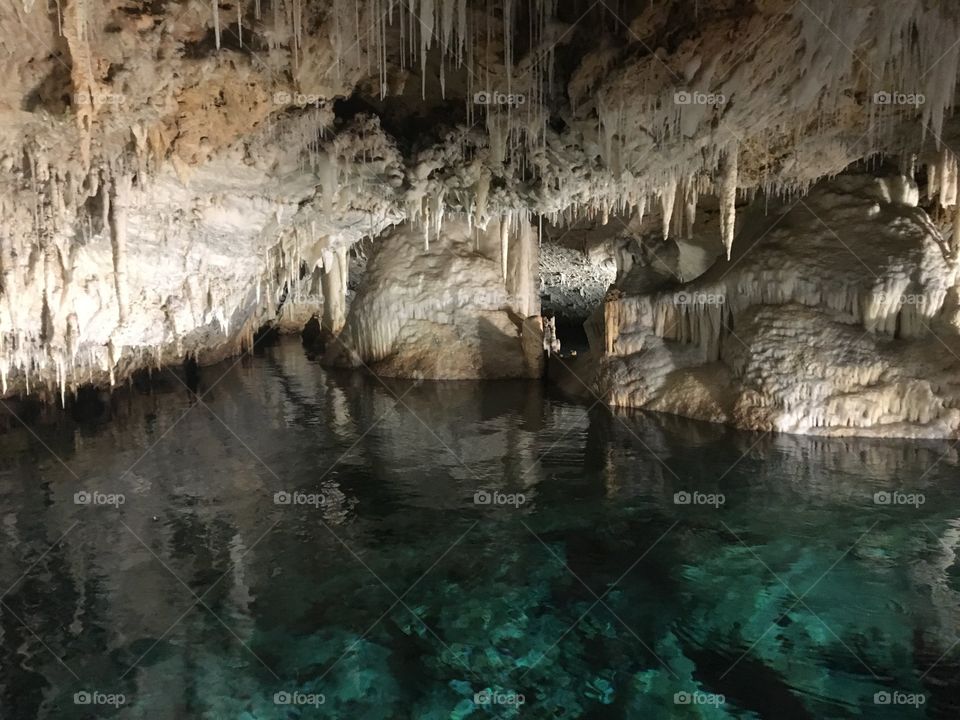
(504, 245)
(343, 258)
(668, 197)
(216, 22)
(933, 179)
(119, 203)
(328, 174)
(426, 20)
(956, 232)
(481, 193)
(690, 209)
(727, 183)
(333, 283)
(948, 179)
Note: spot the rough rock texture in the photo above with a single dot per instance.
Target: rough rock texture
(150, 267)
(174, 174)
(460, 308)
(838, 316)
(573, 282)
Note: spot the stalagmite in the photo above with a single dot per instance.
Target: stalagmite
(727, 183)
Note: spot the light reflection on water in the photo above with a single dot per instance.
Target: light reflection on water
(784, 589)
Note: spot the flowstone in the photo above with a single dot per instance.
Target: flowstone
(836, 316)
(466, 307)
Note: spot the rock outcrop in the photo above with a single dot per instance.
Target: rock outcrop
(838, 316)
(463, 305)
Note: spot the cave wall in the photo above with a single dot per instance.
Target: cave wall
(174, 174)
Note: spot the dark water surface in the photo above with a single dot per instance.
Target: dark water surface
(384, 590)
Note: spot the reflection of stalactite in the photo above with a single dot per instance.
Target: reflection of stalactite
(935, 573)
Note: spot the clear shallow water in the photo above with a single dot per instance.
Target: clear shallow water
(599, 597)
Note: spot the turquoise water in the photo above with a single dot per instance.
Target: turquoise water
(184, 586)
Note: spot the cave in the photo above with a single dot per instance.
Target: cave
(451, 359)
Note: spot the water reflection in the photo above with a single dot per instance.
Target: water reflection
(601, 596)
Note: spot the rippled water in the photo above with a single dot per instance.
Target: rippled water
(382, 589)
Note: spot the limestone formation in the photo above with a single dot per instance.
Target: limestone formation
(175, 175)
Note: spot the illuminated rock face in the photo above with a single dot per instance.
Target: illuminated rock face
(838, 317)
(464, 305)
(175, 175)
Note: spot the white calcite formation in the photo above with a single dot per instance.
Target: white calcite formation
(837, 316)
(466, 308)
(122, 269)
(173, 175)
